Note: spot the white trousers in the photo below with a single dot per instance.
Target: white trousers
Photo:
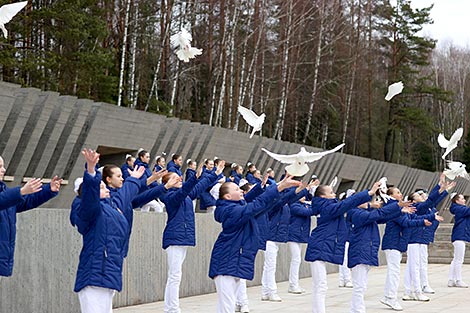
(412, 279)
(319, 286)
(96, 299)
(226, 293)
(393, 273)
(175, 257)
(268, 279)
(295, 249)
(154, 205)
(423, 270)
(455, 272)
(344, 272)
(359, 280)
(242, 296)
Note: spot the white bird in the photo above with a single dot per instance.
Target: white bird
(334, 182)
(252, 119)
(456, 169)
(383, 189)
(298, 166)
(7, 12)
(450, 144)
(182, 40)
(393, 90)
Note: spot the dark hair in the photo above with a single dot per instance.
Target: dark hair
(107, 172)
(189, 162)
(206, 161)
(159, 159)
(175, 157)
(454, 198)
(246, 187)
(390, 190)
(217, 161)
(320, 191)
(250, 166)
(141, 154)
(412, 196)
(129, 158)
(224, 189)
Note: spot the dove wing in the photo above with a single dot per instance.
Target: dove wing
(454, 165)
(456, 136)
(8, 11)
(288, 159)
(443, 142)
(334, 182)
(393, 90)
(314, 156)
(249, 116)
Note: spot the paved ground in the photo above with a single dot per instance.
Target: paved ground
(448, 300)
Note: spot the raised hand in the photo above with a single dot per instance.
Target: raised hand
(137, 172)
(301, 187)
(220, 167)
(265, 180)
(427, 223)
(172, 181)
(374, 188)
(408, 209)
(287, 182)
(32, 186)
(55, 183)
(199, 170)
(92, 157)
(156, 175)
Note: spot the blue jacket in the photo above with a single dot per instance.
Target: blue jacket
(105, 228)
(124, 169)
(251, 179)
(271, 181)
(430, 231)
(158, 168)
(12, 202)
(206, 199)
(180, 225)
(326, 242)
(173, 167)
(461, 229)
(262, 218)
(300, 221)
(364, 241)
(189, 173)
(235, 249)
(397, 234)
(236, 177)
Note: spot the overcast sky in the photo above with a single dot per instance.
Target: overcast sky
(451, 20)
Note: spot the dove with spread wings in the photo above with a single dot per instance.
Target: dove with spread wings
(456, 169)
(7, 12)
(450, 144)
(182, 40)
(298, 162)
(252, 119)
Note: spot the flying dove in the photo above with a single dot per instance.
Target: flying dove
(393, 90)
(182, 40)
(252, 119)
(7, 12)
(298, 166)
(450, 144)
(456, 169)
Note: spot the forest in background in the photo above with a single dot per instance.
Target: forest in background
(319, 69)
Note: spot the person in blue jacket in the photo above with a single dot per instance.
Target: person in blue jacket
(364, 243)
(326, 242)
(103, 222)
(190, 169)
(460, 235)
(151, 177)
(251, 169)
(206, 201)
(417, 244)
(159, 163)
(394, 243)
(128, 165)
(18, 200)
(236, 174)
(271, 173)
(234, 251)
(179, 232)
(175, 164)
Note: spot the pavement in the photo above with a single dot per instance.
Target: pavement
(448, 300)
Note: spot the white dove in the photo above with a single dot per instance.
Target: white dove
(182, 40)
(450, 144)
(393, 90)
(252, 119)
(456, 169)
(7, 12)
(383, 189)
(298, 166)
(334, 182)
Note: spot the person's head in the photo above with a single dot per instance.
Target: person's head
(257, 174)
(417, 197)
(230, 191)
(325, 191)
(2, 168)
(144, 156)
(423, 193)
(167, 177)
(251, 167)
(130, 160)
(191, 164)
(217, 161)
(112, 176)
(313, 178)
(239, 169)
(270, 172)
(177, 159)
(104, 191)
(160, 161)
(459, 199)
(395, 193)
(209, 164)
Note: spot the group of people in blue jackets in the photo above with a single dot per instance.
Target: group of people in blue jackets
(255, 213)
